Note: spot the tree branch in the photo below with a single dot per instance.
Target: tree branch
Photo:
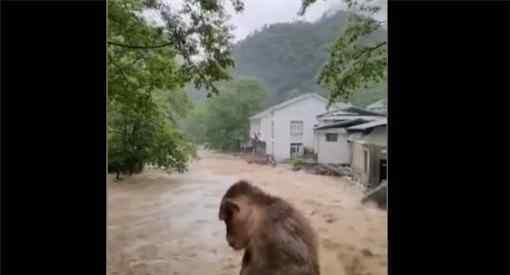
(367, 50)
(139, 47)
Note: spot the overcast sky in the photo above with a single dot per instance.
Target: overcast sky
(258, 13)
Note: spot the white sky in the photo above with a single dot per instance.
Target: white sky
(258, 13)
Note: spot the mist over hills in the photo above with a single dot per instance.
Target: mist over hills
(286, 58)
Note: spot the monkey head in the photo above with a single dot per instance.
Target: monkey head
(239, 213)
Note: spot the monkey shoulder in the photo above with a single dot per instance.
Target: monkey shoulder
(279, 210)
(284, 216)
(287, 235)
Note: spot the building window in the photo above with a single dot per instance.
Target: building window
(296, 128)
(331, 137)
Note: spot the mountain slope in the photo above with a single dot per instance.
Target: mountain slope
(287, 57)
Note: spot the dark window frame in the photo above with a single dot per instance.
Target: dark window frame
(332, 134)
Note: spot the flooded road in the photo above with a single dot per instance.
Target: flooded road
(168, 224)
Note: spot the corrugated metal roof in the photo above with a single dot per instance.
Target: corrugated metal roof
(377, 138)
(354, 136)
(341, 124)
(337, 113)
(378, 104)
(348, 111)
(362, 111)
(369, 125)
(341, 118)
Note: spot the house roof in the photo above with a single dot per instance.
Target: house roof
(369, 125)
(370, 138)
(378, 104)
(348, 111)
(344, 118)
(342, 124)
(289, 102)
(340, 105)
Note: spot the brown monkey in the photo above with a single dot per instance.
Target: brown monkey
(277, 239)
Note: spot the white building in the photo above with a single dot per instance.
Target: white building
(331, 142)
(331, 134)
(369, 143)
(287, 128)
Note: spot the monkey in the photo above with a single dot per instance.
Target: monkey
(277, 239)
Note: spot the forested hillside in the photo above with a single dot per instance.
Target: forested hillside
(287, 57)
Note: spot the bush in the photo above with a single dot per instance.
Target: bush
(297, 164)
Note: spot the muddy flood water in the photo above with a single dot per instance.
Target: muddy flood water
(168, 224)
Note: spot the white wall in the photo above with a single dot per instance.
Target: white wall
(316, 142)
(254, 127)
(265, 126)
(305, 110)
(378, 136)
(357, 157)
(338, 152)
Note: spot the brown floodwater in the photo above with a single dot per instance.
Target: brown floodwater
(161, 223)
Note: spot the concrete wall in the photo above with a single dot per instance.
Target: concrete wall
(305, 110)
(338, 152)
(370, 176)
(358, 162)
(316, 141)
(378, 136)
(265, 126)
(357, 158)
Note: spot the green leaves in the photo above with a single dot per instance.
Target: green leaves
(204, 43)
(222, 122)
(145, 81)
(354, 63)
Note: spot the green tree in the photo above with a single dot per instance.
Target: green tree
(195, 124)
(203, 44)
(354, 61)
(223, 121)
(148, 67)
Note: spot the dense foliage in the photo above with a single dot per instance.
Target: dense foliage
(148, 66)
(287, 58)
(355, 61)
(222, 122)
